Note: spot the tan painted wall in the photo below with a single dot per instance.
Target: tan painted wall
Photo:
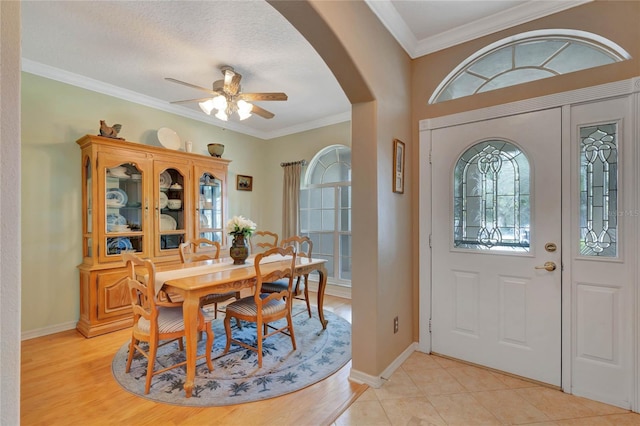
(54, 116)
(375, 74)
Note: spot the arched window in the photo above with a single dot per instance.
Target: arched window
(491, 198)
(527, 57)
(325, 210)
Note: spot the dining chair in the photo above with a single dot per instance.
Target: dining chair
(263, 308)
(303, 246)
(155, 322)
(263, 240)
(205, 249)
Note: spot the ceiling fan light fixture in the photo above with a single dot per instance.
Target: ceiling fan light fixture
(219, 103)
(227, 99)
(207, 106)
(222, 115)
(244, 109)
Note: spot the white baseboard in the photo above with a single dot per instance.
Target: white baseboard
(32, 334)
(377, 381)
(332, 290)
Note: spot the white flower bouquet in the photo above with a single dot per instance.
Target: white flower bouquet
(239, 225)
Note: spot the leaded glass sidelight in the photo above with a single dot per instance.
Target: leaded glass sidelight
(598, 190)
(491, 198)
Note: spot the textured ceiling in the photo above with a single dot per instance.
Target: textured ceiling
(127, 48)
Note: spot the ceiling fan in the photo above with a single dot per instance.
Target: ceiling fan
(227, 98)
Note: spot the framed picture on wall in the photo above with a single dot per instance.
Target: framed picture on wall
(398, 166)
(244, 183)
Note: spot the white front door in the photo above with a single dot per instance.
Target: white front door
(496, 217)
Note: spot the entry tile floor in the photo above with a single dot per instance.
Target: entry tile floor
(432, 390)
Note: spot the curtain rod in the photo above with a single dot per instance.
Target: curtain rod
(291, 163)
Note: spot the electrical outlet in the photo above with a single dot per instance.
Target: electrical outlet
(395, 325)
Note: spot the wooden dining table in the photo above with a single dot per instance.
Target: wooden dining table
(195, 280)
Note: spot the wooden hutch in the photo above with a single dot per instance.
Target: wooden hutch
(143, 199)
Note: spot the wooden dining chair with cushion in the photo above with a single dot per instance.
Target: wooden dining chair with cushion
(303, 246)
(263, 240)
(263, 308)
(154, 322)
(204, 249)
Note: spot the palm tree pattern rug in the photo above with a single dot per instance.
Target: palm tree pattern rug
(236, 377)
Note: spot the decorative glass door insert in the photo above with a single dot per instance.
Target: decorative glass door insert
(598, 190)
(491, 198)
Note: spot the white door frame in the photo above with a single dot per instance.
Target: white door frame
(563, 100)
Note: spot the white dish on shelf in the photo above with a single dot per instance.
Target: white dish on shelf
(165, 180)
(116, 197)
(118, 244)
(169, 138)
(167, 223)
(115, 219)
(163, 200)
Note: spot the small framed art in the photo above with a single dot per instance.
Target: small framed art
(398, 166)
(244, 183)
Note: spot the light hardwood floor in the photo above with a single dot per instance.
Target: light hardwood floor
(66, 380)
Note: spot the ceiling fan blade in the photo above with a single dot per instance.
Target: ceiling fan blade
(275, 96)
(191, 100)
(193, 86)
(261, 112)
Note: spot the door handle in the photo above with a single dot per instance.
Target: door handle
(548, 266)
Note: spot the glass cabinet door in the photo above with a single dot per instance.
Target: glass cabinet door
(210, 208)
(171, 205)
(124, 209)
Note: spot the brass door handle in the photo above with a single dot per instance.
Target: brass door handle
(548, 266)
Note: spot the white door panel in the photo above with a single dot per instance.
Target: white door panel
(602, 286)
(495, 308)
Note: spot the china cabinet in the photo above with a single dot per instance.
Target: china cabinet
(146, 200)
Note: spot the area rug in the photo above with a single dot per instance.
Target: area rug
(236, 377)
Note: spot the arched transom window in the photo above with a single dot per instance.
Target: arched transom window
(491, 198)
(527, 57)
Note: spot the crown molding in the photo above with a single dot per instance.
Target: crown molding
(310, 125)
(526, 12)
(394, 23)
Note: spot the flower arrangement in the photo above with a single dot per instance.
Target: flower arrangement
(239, 225)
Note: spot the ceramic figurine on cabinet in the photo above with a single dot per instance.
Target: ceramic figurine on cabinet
(110, 132)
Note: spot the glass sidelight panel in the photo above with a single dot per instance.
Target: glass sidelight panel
(491, 198)
(599, 190)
